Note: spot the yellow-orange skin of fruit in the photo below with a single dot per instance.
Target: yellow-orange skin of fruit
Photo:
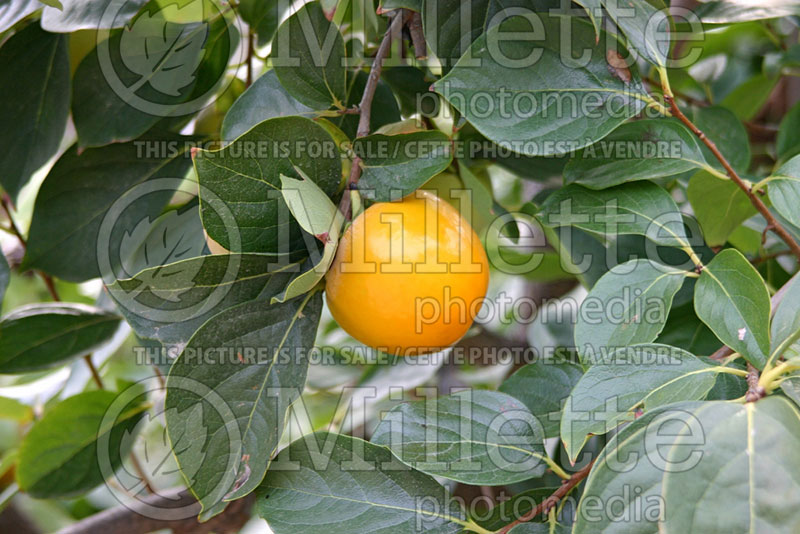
(408, 277)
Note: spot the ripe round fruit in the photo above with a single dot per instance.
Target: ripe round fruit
(409, 276)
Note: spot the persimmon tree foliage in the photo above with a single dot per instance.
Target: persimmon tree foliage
(183, 179)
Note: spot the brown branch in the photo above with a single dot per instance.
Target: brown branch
(133, 519)
(546, 505)
(250, 46)
(754, 390)
(365, 106)
(418, 36)
(734, 176)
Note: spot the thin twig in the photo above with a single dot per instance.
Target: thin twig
(546, 505)
(365, 107)
(776, 226)
(754, 390)
(418, 36)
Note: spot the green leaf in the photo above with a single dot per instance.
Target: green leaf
(311, 207)
(787, 143)
(784, 190)
(59, 456)
(35, 64)
(136, 87)
(78, 194)
(732, 299)
(711, 456)
(646, 24)
(639, 150)
(308, 53)
(728, 133)
(14, 410)
(38, 336)
(749, 97)
(543, 387)
(719, 205)
(629, 304)
(475, 437)
(248, 183)
(170, 302)
(569, 84)
(317, 215)
(319, 484)
(786, 322)
(452, 26)
(686, 331)
(265, 99)
(507, 511)
(746, 447)
(74, 15)
(262, 16)
(636, 208)
(397, 165)
(256, 370)
(637, 377)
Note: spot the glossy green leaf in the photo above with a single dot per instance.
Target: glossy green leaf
(639, 150)
(59, 456)
(551, 80)
(397, 165)
(543, 387)
(788, 141)
(265, 99)
(38, 336)
(635, 377)
(786, 322)
(646, 24)
(746, 447)
(240, 392)
(452, 26)
(317, 215)
(142, 85)
(784, 190)
(719, 205)
(629, 304)
(319, 484)
(508, 511)
(732, 299)
(711, 456)
(245, 176)
(749, 97)
(307, 53)
(475, 437)
(78, 194)
(14, 410)
(35, 64)
(262, 16)
(170, 302)
(729, 134)
(77, 15)
(637, 208)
